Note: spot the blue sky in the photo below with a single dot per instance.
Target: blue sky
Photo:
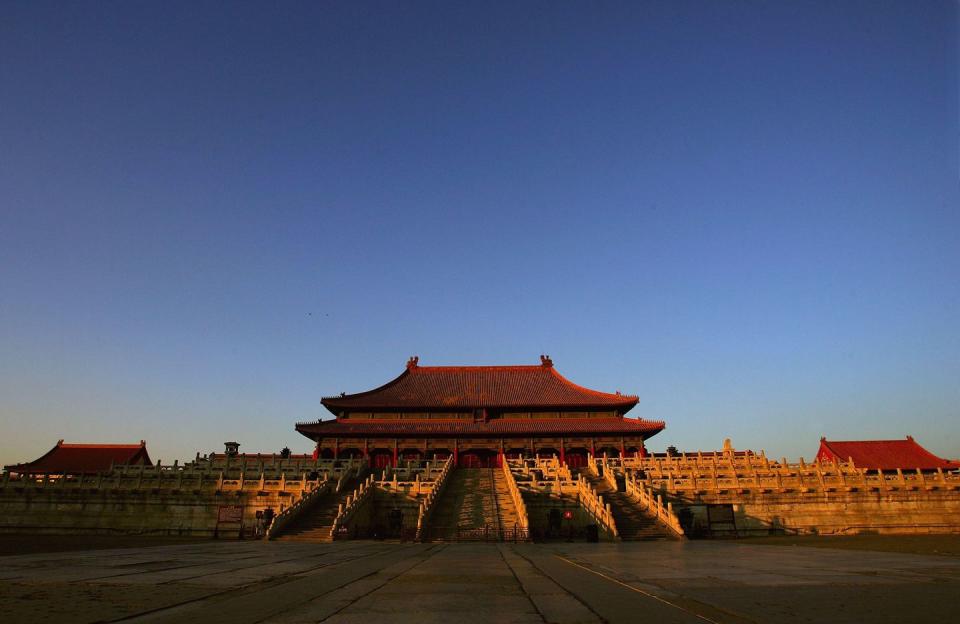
(213, 214)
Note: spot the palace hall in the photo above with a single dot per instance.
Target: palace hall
(479, 415)
(484, 453)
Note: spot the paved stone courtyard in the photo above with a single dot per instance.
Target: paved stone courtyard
(245, 582)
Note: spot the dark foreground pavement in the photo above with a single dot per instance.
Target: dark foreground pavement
(664, 582)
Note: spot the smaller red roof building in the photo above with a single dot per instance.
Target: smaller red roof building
(905, 454)
(83, 458)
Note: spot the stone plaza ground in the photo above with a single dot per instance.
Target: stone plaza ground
(664, 582)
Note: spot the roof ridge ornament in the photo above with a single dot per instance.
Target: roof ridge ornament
(413, 361)
(545, 361)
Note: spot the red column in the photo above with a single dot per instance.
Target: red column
(563, 456)
(395, 454)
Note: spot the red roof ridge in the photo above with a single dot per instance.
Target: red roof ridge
(906, 439)
(103, 446)
(545, 362)
(530, 367)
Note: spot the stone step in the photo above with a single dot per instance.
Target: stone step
(633, 523)
(306, 538)
(314, 524)
(476, 503)
(319, 534)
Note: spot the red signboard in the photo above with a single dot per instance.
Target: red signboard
(230, 513)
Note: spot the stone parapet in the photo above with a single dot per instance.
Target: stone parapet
(825, 513)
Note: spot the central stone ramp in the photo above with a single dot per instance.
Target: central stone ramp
(633, 523)
(508, 516)
(475, 505)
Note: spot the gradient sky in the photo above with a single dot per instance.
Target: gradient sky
(213, 214)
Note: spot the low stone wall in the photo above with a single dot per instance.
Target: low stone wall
(819, 512)
(134, 512)
(377, 512)
(372, 518)
(539, 506)
(384, 502)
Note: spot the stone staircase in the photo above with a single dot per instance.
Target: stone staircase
(314, 524)
(633, 523)
(475, 505)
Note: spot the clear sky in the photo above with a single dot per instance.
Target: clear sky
(213, 214)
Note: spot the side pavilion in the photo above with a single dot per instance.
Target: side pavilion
(885, 455)
(76, 459)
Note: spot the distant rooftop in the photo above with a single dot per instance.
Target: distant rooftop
(83, 458)
(905, 454)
